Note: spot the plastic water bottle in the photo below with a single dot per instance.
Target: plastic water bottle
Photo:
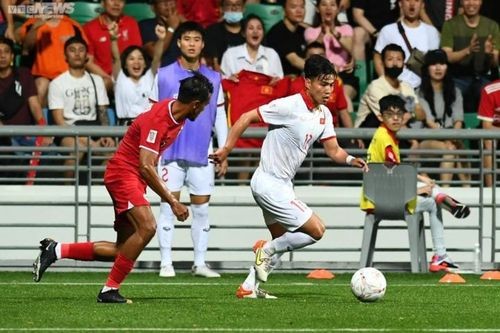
(477, 258)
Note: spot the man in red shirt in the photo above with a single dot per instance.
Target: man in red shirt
(128, 173)
(489, 114)
(99, 38)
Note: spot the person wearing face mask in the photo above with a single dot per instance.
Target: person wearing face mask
(222, 35)
(410, 32)
(388, 84)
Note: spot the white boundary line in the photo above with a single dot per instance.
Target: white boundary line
(211, 284)
(228, 329)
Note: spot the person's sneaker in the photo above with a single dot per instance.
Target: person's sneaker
(167, 271)
(442, 263)
(262, 261)
(112, 296)
(46, 258)
(460, 210)
(256, 293)
(204, 271)
(455, 207)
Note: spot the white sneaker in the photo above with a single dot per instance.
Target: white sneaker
(204, 271)
(262, 261)
(256, 293)
(167, 271)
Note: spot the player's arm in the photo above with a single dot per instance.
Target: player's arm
(147, 169)
(220, 126)
(234, 134)
(339, 155)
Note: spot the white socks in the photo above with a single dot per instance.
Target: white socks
(165, 232)
(251, 282)
(200, 228)
(289, 241)
(58, 251)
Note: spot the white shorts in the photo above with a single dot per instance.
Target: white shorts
(277, 200)
(198, 179)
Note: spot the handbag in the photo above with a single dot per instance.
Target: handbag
(417, 58)
(12, 100)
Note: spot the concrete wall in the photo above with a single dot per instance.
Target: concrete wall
(232, 205)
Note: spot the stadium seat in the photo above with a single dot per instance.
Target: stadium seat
(391, 189)
(139, 11)
(270, 14)
(470, 120)
(84, 12)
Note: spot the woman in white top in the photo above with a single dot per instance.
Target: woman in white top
(251, 55)
(133, 78)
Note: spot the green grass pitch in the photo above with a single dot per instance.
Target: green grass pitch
(413, 303)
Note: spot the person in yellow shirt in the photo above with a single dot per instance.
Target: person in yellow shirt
(384, 148)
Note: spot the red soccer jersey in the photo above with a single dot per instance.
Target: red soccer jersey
(206, 12)
(153, 130)
(100, 43)
(250, 92)
(336, 102)
(489, 106)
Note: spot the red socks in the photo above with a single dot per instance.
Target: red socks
(120, 270)
(78, 251)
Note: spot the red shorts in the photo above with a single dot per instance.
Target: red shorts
(126, 189)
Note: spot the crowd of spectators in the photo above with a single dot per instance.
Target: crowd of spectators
(384, 40)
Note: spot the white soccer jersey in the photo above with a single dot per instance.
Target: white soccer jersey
(294, 124)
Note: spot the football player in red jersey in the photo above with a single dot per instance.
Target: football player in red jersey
(128, 173)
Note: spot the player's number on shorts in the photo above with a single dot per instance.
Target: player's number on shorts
(164, 173)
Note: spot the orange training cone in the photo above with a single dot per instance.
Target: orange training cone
(320, 274)
(452, 278)
(491, 275)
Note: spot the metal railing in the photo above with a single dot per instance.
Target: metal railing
(316, 170)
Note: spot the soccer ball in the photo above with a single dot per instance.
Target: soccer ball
(368, 284)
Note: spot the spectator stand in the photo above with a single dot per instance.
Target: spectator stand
(139, 10)
(86, 11)
(270, 14)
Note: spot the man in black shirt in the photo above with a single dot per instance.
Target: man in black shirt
(287, 37)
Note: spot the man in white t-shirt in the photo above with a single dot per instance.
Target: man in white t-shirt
(420, 35)
(295, 123)
(77, 97)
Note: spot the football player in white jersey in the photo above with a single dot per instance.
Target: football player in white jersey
(295, 122)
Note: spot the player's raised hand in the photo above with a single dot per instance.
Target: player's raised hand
(160, 31)
(180, 211)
